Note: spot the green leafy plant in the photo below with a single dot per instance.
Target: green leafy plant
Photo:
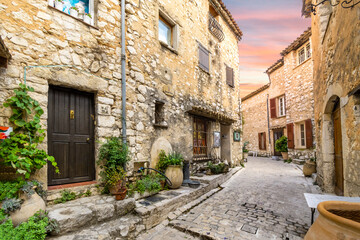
(244, 149)
(288, 161)
(66, 195)
(216, 168)
(150, 183)
(36, 228)
(166, 160)
(89, 15)
(281, 144)
(10, 189)
(87, 193)
(11, 205)
(114, 176)
(20, 151)
(75, 8)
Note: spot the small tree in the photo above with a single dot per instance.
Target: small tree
(281, 144)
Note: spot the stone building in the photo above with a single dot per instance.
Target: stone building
(182, 79)
(285, 105)
(336, 47)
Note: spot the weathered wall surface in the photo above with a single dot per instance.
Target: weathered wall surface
(38, 35)
(254, 112)
(336, 47)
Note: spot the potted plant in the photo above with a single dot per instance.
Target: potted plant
(88, 18)
(172, 165)
(59, 5)
(74, 12)
(281, 146)
(116, 182)
(113, 156)
(309, 167)
(51, 3)
(245, 150)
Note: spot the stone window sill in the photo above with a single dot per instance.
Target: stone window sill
(204, 70)
(160, 126)
(167, 46)
(89, 25)
(302, 63)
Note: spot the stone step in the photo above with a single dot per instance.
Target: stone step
(125, 227)
(85, 212)
(298, 161)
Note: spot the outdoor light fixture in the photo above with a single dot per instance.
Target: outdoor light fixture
(343, 3)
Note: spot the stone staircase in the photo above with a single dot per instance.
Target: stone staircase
(97, 217)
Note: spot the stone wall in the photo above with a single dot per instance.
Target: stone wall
(38, 35)
(254, 112)
(336, 47)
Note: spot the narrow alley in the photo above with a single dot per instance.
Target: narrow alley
(263, 201)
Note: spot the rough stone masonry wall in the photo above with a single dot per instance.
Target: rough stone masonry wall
(299, 97)
(38, 35)
(154, 66)
(336, 47)
(254, 112)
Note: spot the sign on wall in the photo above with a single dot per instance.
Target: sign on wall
(5, 132)
(217, 139)
(236, 136)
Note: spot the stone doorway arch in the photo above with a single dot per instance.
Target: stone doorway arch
(332, 146)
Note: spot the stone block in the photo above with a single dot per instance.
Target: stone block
(125, 206)
(103, 211)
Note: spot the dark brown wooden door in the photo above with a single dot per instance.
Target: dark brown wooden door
(71, 135)
(339, 174)
(278, 133)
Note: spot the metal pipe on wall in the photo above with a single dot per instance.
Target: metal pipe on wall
(123, 71)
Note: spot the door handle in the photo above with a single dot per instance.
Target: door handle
(87, 139)
(72, 114)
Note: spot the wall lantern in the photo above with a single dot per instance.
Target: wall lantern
(343, 4)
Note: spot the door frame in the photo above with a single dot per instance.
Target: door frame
(92, 172)
(338, 150)
(277, 130)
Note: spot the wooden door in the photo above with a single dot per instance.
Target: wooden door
(278, 133)
(71, 135)
(339, 172)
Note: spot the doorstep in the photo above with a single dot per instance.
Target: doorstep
(54, 192)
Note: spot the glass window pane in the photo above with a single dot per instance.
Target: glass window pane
(164, 32)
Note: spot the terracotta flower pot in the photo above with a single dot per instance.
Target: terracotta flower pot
(116, 188)
(121, 194)
(337, 220)
(309, 168)
(175, 174)
(285, 155)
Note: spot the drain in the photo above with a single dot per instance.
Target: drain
(145, 203)
(155, 199)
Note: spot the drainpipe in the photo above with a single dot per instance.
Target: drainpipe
(268, 120)
(123, 73)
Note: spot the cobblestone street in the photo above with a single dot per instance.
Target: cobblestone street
(263, 201)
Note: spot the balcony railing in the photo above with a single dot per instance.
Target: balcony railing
(215, 28)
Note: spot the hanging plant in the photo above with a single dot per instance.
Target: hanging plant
(21, 151)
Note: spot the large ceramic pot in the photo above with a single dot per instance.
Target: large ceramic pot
(309, 168)
(29, 207)
(175, 174)
(337, 220)
(285, 155)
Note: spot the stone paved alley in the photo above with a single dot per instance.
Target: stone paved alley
(263, 201)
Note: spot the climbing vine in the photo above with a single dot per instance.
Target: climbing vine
(21, 151)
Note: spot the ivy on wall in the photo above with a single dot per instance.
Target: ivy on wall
(21, 151)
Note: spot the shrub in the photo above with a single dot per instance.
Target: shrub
(150, 183)
(166, 160)
(244, 149)
(66, 196)
(216, 168)
(281, 144)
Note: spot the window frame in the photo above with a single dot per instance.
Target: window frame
(169, 41)
(299, 138)
(306, 48)
(230, 82)
(197, 153)
(174, 31)
(281, 108)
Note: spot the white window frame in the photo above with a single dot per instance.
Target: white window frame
(282, 109)
(174, 44)
(307, 54)
(298, 137)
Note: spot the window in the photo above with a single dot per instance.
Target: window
(159, 113)
(165, 31)
(302, 134)
(281, 101)
(84, 8)
(262, 141)
(204, 58)
(168, 31)
(200, 137)
(278, 107)
(230, 76)
(304, 53)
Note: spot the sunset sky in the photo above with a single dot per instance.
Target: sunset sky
(268, 27)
